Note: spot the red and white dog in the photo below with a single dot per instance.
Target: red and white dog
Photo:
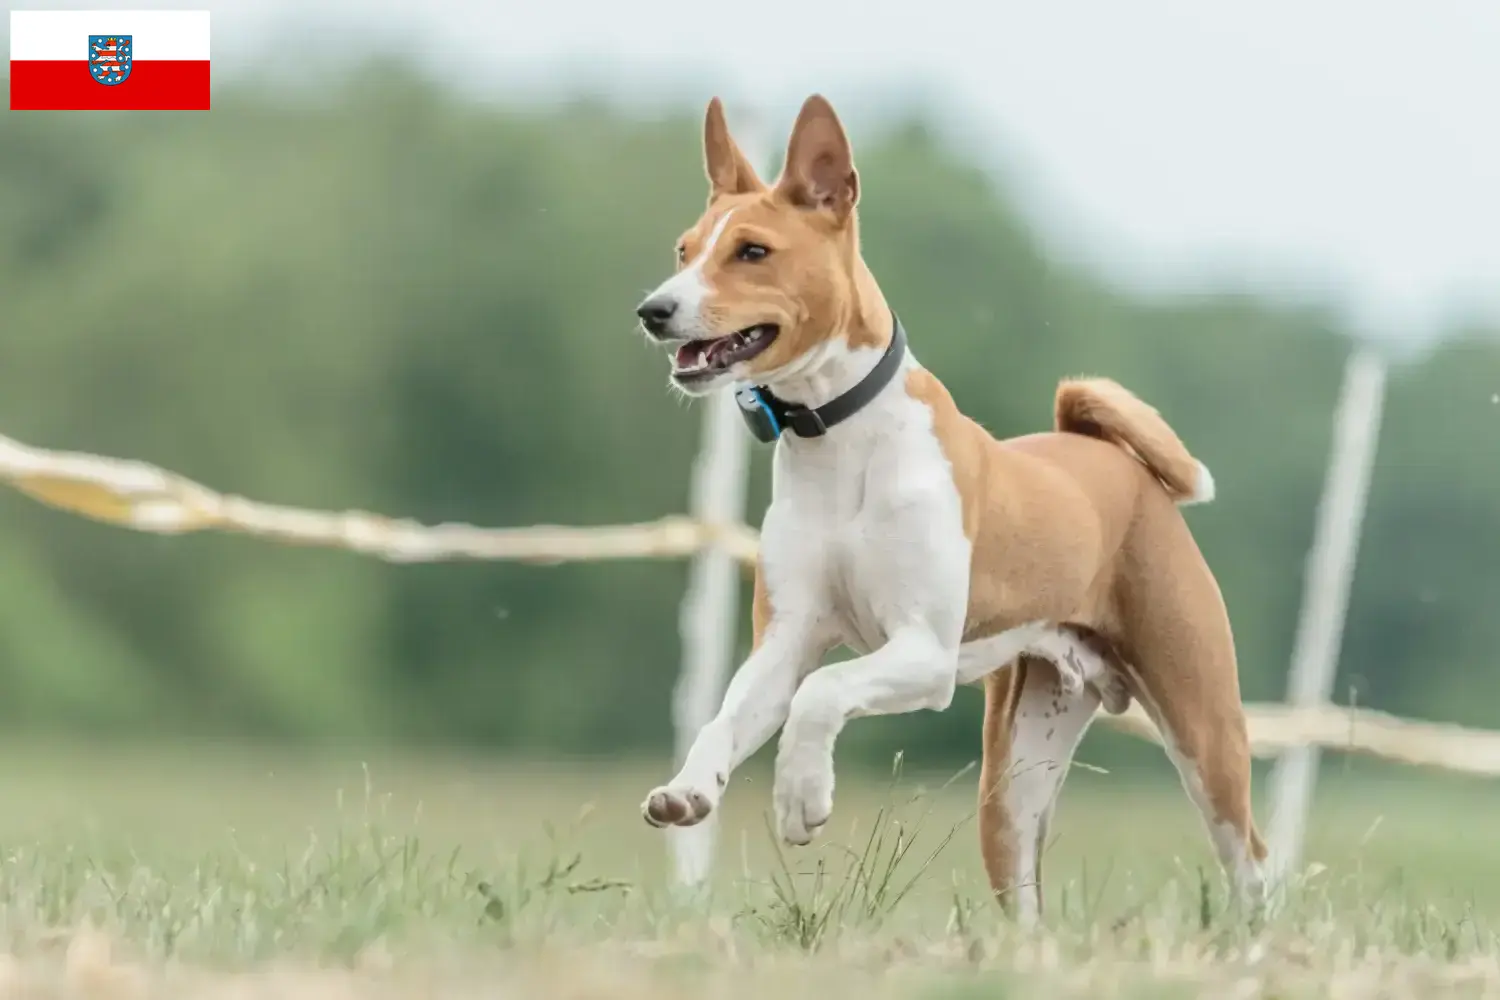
(1054, 568)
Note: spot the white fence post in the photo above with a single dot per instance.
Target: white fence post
(709, 607)
(1330, 570)
(711, 601)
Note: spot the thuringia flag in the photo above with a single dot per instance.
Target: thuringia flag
(83, 60)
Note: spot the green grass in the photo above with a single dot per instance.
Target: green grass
(207, 870)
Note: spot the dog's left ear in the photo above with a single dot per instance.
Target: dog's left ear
(819, 171)
(728, 170)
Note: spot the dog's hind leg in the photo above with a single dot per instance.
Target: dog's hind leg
(1180, 650)
(1032, 728)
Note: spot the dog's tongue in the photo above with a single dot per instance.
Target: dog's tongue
(702, 352)
(715, 348)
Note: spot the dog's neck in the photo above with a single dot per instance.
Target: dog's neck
(843, 358)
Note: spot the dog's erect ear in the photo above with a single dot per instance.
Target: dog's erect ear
(819, 171)
(728, 170)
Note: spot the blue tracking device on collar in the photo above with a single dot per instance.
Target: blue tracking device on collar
(768, 416)
(759, 416)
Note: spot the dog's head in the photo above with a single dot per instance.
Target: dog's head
(766, 278)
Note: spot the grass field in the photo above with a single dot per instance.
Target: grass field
(228, 872)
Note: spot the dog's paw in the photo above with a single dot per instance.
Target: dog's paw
(803, 794)
(676, 805)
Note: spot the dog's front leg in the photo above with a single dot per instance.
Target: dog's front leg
(915, 669)
(755, 705)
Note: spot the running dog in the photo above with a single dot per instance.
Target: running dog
(1056, 568)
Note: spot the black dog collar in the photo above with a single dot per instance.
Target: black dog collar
(768, 416)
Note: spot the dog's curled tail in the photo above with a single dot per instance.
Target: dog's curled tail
(1104, 409)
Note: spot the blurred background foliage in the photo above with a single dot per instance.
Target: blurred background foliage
(396, 300)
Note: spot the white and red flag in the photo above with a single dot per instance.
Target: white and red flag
(99, 60)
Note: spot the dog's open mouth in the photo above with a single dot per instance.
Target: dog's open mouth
(700, 358)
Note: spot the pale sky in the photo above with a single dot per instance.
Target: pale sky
(1341, 149)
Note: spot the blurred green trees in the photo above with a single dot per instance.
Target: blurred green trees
(401, 302)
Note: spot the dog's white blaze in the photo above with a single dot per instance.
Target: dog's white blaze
(689, 289)
(713, 238)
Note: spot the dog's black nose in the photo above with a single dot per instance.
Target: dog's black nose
(655, 314)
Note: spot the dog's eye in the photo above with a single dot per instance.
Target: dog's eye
(751, 251)
(681, 253)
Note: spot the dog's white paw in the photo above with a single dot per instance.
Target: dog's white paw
(677, 805)
(803, 794)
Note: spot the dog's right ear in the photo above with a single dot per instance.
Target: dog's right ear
(819, 170)
(728, 170)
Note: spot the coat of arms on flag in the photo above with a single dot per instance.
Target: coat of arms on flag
(109, 58)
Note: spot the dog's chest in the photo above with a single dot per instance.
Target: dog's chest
(869, 523)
